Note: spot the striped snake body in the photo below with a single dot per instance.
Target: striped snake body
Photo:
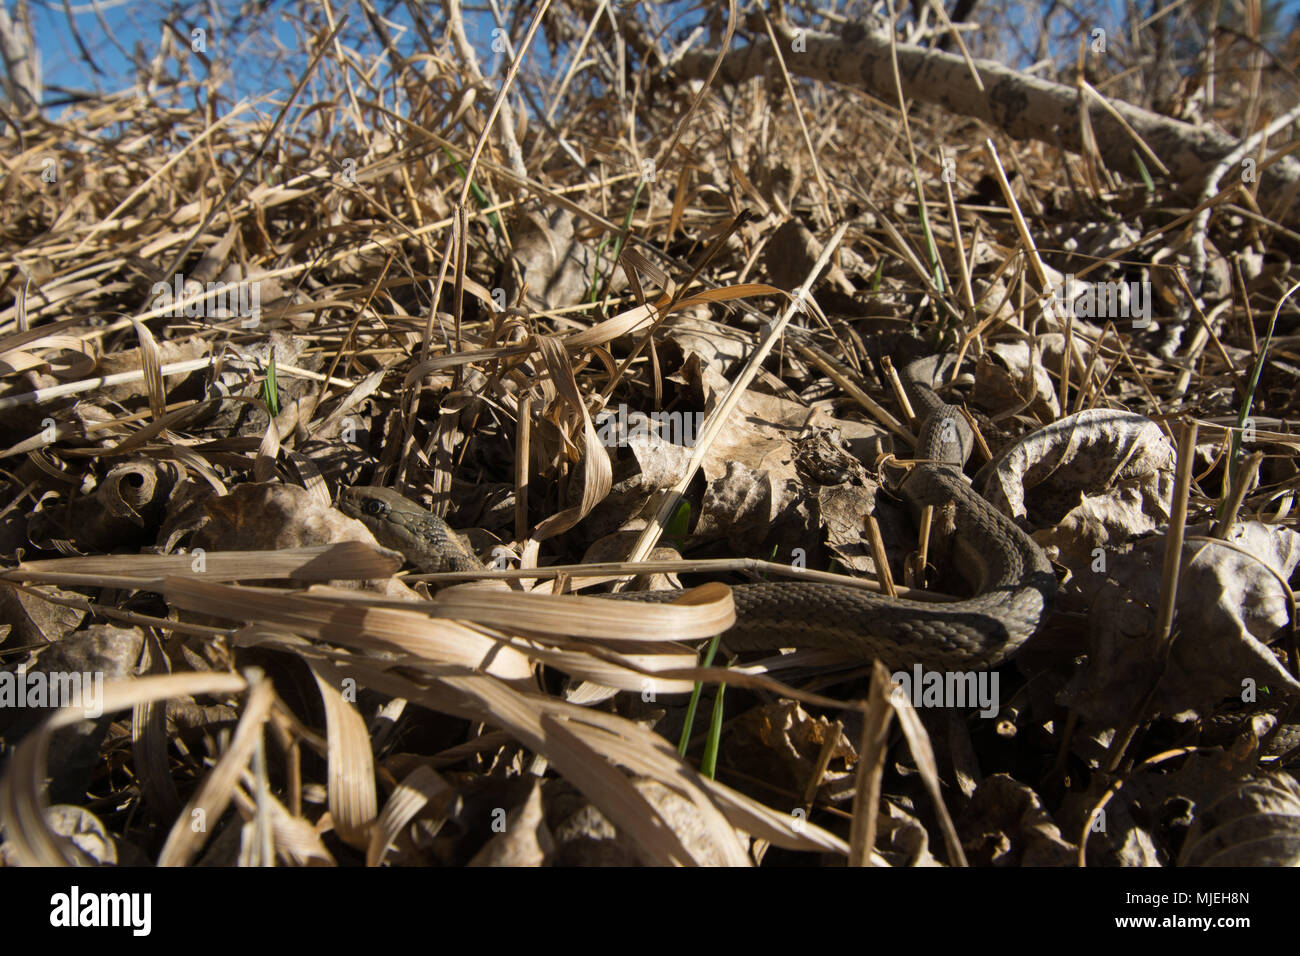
(1013, 580)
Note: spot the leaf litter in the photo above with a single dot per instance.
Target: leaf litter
(537, 340)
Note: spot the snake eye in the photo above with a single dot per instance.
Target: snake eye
(373, 506)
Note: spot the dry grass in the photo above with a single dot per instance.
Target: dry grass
(170, 474)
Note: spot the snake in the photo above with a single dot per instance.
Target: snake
(1012, 580)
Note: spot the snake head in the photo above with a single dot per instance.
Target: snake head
(364, 502)
(401, 524)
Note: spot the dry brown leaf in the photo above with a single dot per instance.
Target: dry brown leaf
(1229, 603)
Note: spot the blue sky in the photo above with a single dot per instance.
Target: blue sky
(124, 25)
(113, 35)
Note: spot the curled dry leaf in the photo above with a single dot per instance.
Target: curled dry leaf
(901, 839)
(126, 505)
(1010, 377)
(595, 465)
(1229, 604)
(1253, 823)
(781, 744)
(1007, 825)
(138, 490)
(1057, 471)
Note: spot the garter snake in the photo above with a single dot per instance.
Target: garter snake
(1011, 575)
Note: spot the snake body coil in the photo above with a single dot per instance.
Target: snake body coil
(1013, 578)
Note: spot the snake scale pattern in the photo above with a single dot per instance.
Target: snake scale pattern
(1013, 579)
